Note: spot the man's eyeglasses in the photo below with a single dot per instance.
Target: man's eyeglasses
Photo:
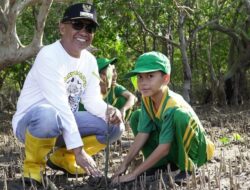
(78, 25)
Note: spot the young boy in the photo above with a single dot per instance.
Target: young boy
(114, 93)
(167, 130)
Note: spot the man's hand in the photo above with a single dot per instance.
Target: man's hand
(86, 162)
(113, 115)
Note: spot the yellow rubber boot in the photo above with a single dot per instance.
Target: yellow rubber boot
(91, 145)
(210, 149)
(36, 150)
(64, 160)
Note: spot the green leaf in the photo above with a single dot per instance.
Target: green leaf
(237, 137)
(224, 140)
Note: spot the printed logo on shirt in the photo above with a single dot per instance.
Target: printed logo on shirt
(75, 84)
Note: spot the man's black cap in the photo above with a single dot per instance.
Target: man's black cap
(80, 11)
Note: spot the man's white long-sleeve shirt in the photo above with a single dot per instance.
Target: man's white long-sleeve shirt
(62, 81)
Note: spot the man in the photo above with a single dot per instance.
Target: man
(63, 74)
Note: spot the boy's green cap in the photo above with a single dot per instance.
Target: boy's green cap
(104, 62)
(150, 62)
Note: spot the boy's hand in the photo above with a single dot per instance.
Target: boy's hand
(121, 170)
(124, 178)
(113, 115)
(86, 162)
(123, 113)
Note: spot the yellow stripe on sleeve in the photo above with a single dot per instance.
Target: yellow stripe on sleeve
(114, 102)
(189, 133)
(189, 165)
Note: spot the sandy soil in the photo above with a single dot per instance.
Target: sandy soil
(229, 129)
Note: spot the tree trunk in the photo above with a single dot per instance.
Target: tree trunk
(221, 94)
(12, 51)
(186, 67)
(234, 78)
(244, 91)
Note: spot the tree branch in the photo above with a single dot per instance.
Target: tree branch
(1, 13)
(199, 28)
(228, 31)
(150, 31)
(247, 4)
(24, 4)
(3, 22)
(4, 4)
(129, 44)
(183, 8)
(40, 24)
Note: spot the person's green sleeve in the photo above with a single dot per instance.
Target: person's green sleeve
(145, 122)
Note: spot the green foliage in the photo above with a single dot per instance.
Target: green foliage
(236, 137)
(17, 75)
(51, 31)
(122, 35)
(25, 25)
(224, 140)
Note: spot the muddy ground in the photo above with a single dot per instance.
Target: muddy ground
(228, 127)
